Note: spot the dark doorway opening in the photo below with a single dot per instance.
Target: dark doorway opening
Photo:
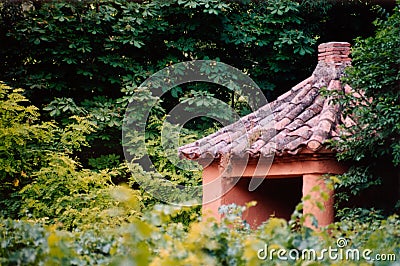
(276, 197)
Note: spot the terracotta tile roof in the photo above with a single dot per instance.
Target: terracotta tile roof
(299, 120)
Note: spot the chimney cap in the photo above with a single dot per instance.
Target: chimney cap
(333, 44)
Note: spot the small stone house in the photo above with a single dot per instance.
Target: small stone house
(302, 121)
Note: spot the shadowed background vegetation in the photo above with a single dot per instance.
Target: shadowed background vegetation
(66, 194)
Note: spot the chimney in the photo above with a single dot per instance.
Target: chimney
(333, 58)
(336, 53)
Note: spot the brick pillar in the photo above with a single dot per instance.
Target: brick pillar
(212, 192)
(325, 216)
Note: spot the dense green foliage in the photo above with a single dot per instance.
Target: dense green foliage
(155, 240)
(375, 78)
(40, 180)
(373, 143)
(29, 145)
(77, 39)
(67, 197)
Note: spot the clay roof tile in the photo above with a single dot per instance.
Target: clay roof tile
(299, 119)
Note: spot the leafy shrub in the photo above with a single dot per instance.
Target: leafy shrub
(28, 144)
(155, 240)
(372, 144)
(22, 243)
(75, 198)
(105, 161)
